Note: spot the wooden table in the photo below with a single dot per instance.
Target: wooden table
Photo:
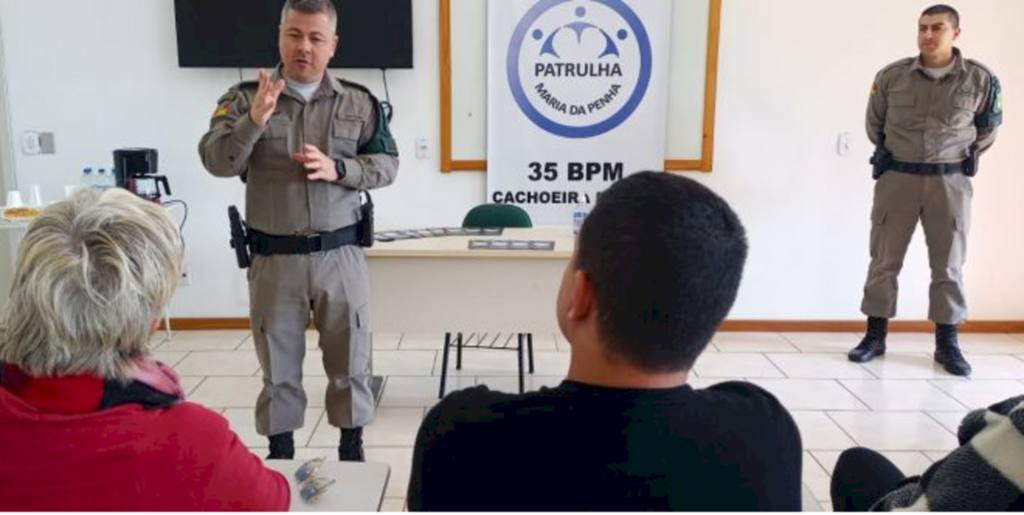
(437, 284)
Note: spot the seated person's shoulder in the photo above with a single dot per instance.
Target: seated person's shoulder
(746, 400)
(478, 404)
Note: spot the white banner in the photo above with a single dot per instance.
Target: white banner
(577, 95)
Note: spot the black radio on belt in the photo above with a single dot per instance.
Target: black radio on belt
(365, 228)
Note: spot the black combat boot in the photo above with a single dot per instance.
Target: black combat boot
(351, 448)
(873, 343)
(947, 351)
(282, 446)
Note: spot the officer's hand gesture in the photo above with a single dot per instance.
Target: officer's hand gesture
(318, 166)
(265, 101)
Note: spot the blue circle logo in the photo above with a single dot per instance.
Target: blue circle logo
(579, 68)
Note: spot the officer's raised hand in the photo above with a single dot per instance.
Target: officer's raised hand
(318, 166)
(265, 101)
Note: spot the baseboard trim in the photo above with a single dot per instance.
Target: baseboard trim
(740, 326)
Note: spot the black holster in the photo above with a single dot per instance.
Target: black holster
(971, 163)
(881, 160)
(365, 226)
(239, 238)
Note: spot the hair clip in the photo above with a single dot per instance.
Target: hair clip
(312, 489)
(308, 468)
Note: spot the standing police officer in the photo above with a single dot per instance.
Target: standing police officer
(931, 117)
(305, 144)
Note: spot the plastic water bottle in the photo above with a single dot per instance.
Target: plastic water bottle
(88, 181)
(104, 181)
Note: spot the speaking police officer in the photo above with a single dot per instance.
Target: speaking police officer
(931, 116)
(306, 144)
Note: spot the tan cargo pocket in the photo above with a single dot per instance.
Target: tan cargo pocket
(878, 217)
(361, 350)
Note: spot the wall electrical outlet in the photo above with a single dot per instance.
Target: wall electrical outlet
(422, 148)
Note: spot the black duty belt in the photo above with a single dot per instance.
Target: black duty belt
(927, 168)
(269, 244)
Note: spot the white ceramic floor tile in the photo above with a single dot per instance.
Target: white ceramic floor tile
(477, 362)
(752, 342)
(189, 384)
(400, 461)
(205, 340)
(949, 419)
(816, 478)
(811, 394)
(219, 363)
(819, 432)
(818, 366)
(915, 343)
(823, 343)
(228, 392)
(827, 460)
(403, 363)
(982, 343)
(976, 394)
(316, 391)
(393, 505)
(902, 395)
(1017, 336)
(170, 358)
(995, 367)
(894, 431)
(243, 423)
(419, 392)
(313, 364)
(935, 456)
(906, 366)
(531, 383)
(392, 427)
(424, 341)
(385, 340)
(735, 365)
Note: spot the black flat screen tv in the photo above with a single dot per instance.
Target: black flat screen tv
(243, 33)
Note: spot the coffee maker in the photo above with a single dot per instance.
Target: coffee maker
(135, 170)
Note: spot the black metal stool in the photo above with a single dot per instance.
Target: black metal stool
(492, 345)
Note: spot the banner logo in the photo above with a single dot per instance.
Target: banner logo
(579, 68)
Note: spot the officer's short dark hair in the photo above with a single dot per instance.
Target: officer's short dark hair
(935, 10)
(665, 256)
(311, 7)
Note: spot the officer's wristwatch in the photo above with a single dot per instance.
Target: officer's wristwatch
(339, 166)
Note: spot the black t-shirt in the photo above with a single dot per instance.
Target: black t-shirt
(585, 448)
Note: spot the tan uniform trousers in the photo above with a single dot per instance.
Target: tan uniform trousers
(283, 290)
(943, 205)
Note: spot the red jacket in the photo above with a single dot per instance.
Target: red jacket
(60, 452)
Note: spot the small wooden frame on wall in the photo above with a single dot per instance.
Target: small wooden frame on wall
(692, 88)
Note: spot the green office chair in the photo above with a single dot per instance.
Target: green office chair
(491, 215)
(497, 215)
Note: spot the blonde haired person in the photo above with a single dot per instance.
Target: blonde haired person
(88, 420)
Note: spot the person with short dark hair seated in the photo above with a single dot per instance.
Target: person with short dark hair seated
(88, 420)
(986, 473)
(656, 269)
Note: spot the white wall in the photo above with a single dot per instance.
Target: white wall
(793, 74)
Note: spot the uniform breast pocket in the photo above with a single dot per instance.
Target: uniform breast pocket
(901, 107)
(962, 114)
(345, 132)
(272, 147)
